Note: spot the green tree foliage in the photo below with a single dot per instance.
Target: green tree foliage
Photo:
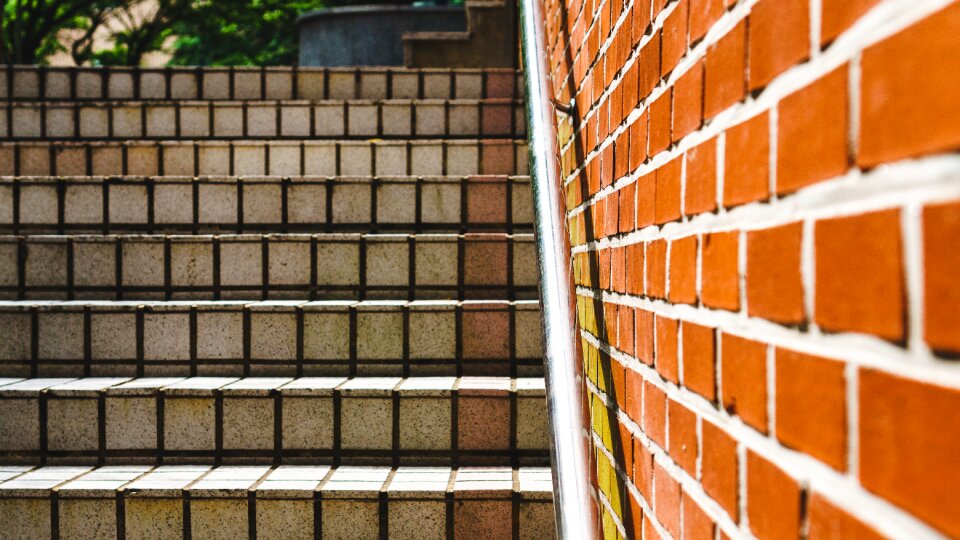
(238, 32)
(30, 27)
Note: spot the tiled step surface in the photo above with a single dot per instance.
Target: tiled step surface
(297, 502)
(233, 338)
(77, 204)
(246, 83)
(256, 266)
(366, 420)
(420, 157)
(353, 119)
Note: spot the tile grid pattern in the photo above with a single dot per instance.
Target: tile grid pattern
(55, 205)
(361, 360)
(344, 120)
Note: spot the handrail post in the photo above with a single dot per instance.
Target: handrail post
(574, 495)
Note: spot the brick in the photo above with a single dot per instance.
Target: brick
(635, 268)
(633, 520)
(724, 82)
(683, 436)
(638, 141)
(634, 396)
(773, 500)
(666, 342)
(644, 335)
(811, 406)
(701, 187)
(703, 13)
(674, 43)
(859, 275)
(640, 19)
(720, 275)
(667, 501)
(657, 269)
(774, 283)
(812, 133)
(744, 379)
(838, 15)
(941, 300)
(646, 200)
(829, 521)
(719, 469)
(683, 270)
(746, 176)
(697, 525)
(668, 191)
(779, 38)
(699, 359)
(906, 108)
(660, 122)
(649, 65)
(654, 413)
(643, 470)
(906, 454)
(688, 102)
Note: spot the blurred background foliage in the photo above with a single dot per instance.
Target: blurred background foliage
(171, 32)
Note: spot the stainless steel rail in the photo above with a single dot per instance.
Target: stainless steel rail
(574, 495)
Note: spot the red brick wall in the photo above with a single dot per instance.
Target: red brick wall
(764, 206)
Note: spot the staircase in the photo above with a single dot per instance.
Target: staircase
(268, 303)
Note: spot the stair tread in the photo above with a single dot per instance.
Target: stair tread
(218, 481)
(264, 386)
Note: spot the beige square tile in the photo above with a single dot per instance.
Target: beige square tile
(183, 86)
(153, 85)
(426, 159)
(326, 335)
(373, 84)
(342, 84)
(57, 84)
(310, 83)
(250, 160)
(284, 158)
(194, 120)
(191, 263)
(295, 121)
(240, 263)
(247, 423)
(161, 121)
(356, 159)
(94, 263)
(142, 263)
(120, 85)
(247, 84)
(273, 336)
(366, 423)
(218, 202)
(94, 121)
(406, 85)
(262, 120)
(216, 84)
(220, 335)
(189, 423)
(219, 519)
(289, 262)
(279, 84)
(107, 160)
(329, 119)
(88, 518)
(127, 122)
(113, 336)
(143, 159)
(363, 119)
(153, 519)
(307, 422)
(60, 122)
(227, 120)
(178, 160)
(287, 519)
(89, 84)
(214, 159)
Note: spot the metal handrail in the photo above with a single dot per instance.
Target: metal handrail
(574, 495)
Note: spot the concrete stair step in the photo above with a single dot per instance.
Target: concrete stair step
(56, 205)
(366, 420)
(274, 338)
(257, 266)
(420, 157)
(290, 501)
(277, 120)
(244, 83)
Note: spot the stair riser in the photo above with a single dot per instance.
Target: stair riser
(278, 120)
(254, 267)
(266, 204)
(54, 83)
(235, 340)
(258, 158)
(465, 427)
(163, 518)
(302, 505)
